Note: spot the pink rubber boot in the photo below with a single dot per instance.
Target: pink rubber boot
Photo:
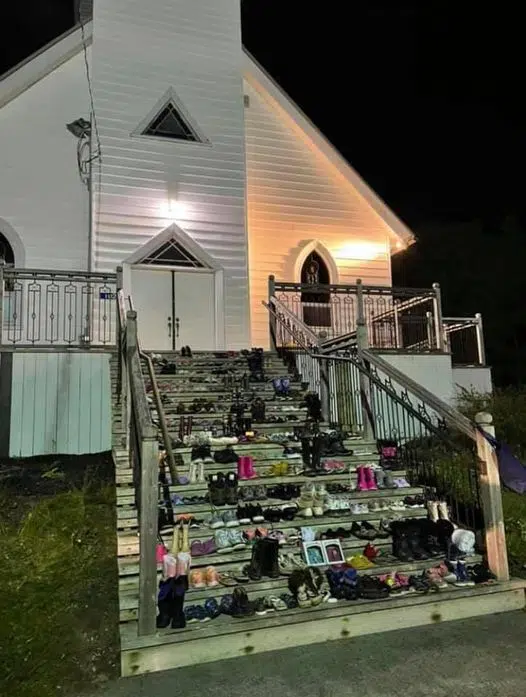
(370, 479)
(362, 484)
(242, 467)
(250, 472)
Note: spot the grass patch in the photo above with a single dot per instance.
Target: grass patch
(58, 601)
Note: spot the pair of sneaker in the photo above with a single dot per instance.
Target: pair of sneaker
(202, 613)
(229, 540)
(204, 578)
(227, 519)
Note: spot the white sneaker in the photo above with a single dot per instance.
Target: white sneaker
(318, 511)
(306, 512)
(201, 473)
(192, 473)
(356, 509)
(364, 508)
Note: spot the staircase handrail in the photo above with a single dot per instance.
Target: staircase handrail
(307, 331)
(159, 407)
(363, 370)
(446, 412)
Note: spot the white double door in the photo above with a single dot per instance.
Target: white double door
(175, 308)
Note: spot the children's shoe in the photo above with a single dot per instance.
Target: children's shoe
(197, 579)
(260, 607)
(211, 577)
(274, 602)
(211, 608)
(215, 521)
(443, 510)
(222, 539)
(230, 519)
(432, 510)
(359, 562)
(236, 539)
(370, 551)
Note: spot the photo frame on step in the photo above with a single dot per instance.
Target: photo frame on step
(323, 553)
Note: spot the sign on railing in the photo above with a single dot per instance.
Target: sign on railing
(57, 308)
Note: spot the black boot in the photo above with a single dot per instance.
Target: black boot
(317, 447)
(401, 548)
(254, 569)
(414, 539)
(306, 452)
(258, 410)
(179, 587)
(270, 551)
(164, 604)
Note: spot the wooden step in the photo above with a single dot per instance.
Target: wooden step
(227, 637)
(128, 596)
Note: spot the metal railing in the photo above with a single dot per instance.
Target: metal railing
(42, 309)
(144, 457)
(407, 319)
(442, 450)
(464, 340)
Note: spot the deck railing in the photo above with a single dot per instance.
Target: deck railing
(443, 451)
(57, 310)
(464, 340)
(407, 319)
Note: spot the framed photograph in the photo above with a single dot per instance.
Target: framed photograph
(314, 554)
(333, 551)
(323, 553)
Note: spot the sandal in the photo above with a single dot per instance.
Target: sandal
(226, 579)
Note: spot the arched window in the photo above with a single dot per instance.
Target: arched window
(315, 273)
(7, 256)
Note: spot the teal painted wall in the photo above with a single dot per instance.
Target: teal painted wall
(60, 404)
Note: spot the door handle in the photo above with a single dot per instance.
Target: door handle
(169, 326)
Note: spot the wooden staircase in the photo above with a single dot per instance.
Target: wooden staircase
(227, 637)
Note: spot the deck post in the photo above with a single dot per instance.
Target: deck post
(491, 499)
(437, 312)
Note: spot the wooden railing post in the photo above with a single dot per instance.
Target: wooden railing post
(148, 522)
(479, 329)
(272, 320)
(491, 498)
(362, 343)
(437, 312)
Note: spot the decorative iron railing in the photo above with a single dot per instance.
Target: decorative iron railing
(396, 318)
(58, 309)
(442, 450)
(464, 340)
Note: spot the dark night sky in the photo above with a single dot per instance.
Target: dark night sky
(425, 99)
(422, 98)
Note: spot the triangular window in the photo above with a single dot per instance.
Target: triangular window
(172, 253)
(170, 123)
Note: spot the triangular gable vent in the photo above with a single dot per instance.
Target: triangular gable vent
(172, 253)
(170, 123)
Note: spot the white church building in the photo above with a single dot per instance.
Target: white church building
(147, 138)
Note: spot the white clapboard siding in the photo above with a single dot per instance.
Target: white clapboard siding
(141, 50)
(43, 203)
(296, 196)
(60, 403)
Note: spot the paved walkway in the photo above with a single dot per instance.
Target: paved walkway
(470, 658)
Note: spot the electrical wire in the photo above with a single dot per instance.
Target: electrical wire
(97, 157)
